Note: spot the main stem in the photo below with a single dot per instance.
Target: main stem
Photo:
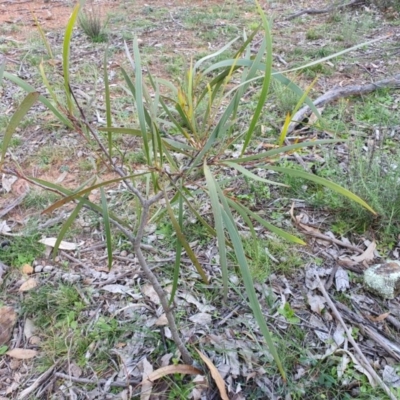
(186, 357)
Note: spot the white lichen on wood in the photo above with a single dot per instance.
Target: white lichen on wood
(384, 279)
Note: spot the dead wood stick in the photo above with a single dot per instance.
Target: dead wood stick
(367, 330)
(364, 362)
(99, 382)
(324, 10)
(346, 91)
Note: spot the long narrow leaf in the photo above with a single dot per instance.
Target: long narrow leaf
(249, 286)
(184, 242)
(85, 191)
(66, 52)
(278, 231)
(20, 113)
(139, 98)
(281, 150)
(265, 83)
(107, 228)
(322, 181)
(108, 103)
(251, 175)
(67, 224)
(125, 131)
(216, 208)
(29, 89)
(87, 203)
(178, 254)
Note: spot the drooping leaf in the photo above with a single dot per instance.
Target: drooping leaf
(66, 54)
(67, 224)
(108, 104)
(266, 80)
(178, 254)
(107, 227)
(322, 181)
(249, 286)
(87, 190)
(182, 239)
(216, 208)
(28, 88)
(20, 113)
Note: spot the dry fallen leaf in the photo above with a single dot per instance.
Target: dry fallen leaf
(63, 245)
(8, 318)
(27, 269)
(215, 375)
(379, 318)
(368, 254)
(28, 285)
(342, 280)
(317, 303)
(201, 318)
(22, 354)
(162, 320)
(174, 369)
(147, 384)
(149, 291)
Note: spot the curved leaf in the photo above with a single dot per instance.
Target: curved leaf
(20, 113)
(322, 181)
(66, 226)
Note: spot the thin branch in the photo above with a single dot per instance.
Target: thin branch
(346, 91)
(93, 381)
(324, 10)
(169, 313)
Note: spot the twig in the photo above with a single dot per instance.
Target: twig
(363, 359)
(169, 312)
(346, 91)
(73, 259)
(13, 204)
(98, 382)
(26, 392)
(324, 10)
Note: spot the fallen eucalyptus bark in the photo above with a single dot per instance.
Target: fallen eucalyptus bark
(346, 91)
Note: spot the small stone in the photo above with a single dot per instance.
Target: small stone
(48, 268)
(132, 256)
(38, 268)
(384, 279)
(71, 278)
(124, 253)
